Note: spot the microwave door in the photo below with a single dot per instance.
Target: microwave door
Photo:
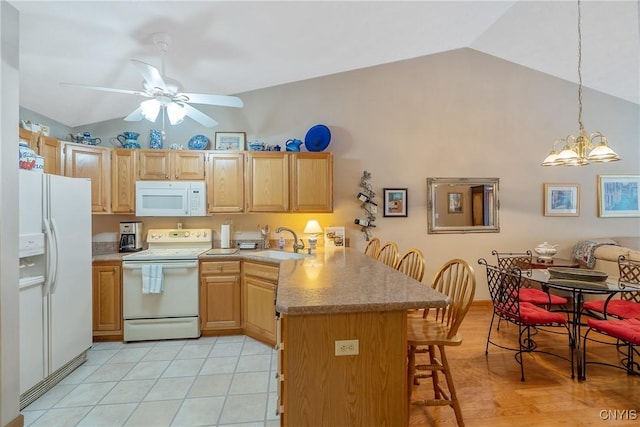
(164, 202)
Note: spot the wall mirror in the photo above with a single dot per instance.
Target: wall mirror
(463, 205)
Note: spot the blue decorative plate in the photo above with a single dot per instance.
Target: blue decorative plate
(198, 142)
(317, 138)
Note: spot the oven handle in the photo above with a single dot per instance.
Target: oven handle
(165, 265)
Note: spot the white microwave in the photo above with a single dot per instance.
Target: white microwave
(171, 198)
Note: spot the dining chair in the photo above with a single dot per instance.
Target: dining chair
(438, 330)
(412, 264)
(372, 248)
(388, 254)
(523, 261)
(628, 305)
(504, 288)
(625, 330)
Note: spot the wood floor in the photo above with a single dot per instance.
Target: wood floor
(491, 393)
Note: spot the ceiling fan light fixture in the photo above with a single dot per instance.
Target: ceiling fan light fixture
(176, 113)
(150, 109)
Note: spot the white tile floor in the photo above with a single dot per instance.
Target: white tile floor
(217, 381)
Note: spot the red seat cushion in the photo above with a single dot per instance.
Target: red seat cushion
(625, 329)
(531, 314)
(538, 297)
(618, 307)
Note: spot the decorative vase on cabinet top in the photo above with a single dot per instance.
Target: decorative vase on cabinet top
(293, 144)
(155, 139)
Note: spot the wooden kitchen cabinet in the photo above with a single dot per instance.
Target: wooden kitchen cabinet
(311, 182)
(220, 296)
(124, 168)
(267, 182)
(289, 182)
(181, 165)
(46, 146)
(107, 300)
(225, 182)
(258, 301)
(87, 161)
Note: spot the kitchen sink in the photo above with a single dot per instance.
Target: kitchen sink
(280, 254)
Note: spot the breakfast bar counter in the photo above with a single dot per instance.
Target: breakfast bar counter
(347, 281)
(342, 340)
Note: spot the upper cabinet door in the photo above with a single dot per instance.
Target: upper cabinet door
(124, 165)
(187, 165)
(84, 161)
(267, 182)
(154, 165)
(311, 182)
(51, 149)
(225, 182)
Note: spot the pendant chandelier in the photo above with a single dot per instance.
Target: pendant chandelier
(580, 150)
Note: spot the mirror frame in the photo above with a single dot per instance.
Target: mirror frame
(433, 183)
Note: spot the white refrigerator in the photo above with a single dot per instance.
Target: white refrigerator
(56, 284)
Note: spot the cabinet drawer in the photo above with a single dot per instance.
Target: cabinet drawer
(267, 272)
(218, 267)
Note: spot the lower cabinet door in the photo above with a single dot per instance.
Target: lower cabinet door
(220, 302)
(259, 313)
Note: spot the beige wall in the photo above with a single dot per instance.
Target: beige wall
(456, 114)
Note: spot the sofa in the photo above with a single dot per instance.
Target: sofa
(601, 254)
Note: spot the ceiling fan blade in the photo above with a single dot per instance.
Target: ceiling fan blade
(135, 116)
(199, 116)
(106, 89)
(151, 75)
(222, 100)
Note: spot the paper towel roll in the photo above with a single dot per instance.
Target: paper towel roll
(224, 236)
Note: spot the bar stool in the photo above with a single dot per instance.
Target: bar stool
(388, 254)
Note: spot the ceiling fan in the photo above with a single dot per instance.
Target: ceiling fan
(166, 94)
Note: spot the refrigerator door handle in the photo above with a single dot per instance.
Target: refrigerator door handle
(52, 254)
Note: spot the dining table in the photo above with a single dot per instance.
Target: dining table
(577, 288)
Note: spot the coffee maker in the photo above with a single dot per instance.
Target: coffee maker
(130, 236)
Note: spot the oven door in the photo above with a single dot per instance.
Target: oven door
(179, 297)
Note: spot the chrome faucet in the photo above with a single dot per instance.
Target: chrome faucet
(296, 246)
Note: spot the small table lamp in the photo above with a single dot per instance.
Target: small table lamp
(313, 229)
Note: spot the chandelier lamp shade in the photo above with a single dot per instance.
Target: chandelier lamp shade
(582, 149)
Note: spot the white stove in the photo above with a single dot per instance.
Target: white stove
(160, 285)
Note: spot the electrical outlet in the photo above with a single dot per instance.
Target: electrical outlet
(374, 209)
(347, 347)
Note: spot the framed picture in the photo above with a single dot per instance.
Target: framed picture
(395, 202)
(561, 199)
(334, 237)
(455, 202)
(230, 140)
(618, 195)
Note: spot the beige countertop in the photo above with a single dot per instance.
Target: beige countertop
(335, 281)
(347, 281)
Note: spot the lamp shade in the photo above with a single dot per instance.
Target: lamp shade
(150, 109)
(312, 227)
(176, 113)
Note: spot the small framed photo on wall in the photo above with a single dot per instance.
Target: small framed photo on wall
(455, 202)
(230, 141)
(561, 199)
(618, 196)
(395, 202)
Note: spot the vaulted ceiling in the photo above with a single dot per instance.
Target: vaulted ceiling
(232, 47)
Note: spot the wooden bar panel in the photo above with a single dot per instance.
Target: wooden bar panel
(321, 389)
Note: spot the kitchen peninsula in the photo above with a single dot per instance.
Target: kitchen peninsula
(342, 339)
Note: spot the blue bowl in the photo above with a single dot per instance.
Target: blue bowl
(198, 142)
